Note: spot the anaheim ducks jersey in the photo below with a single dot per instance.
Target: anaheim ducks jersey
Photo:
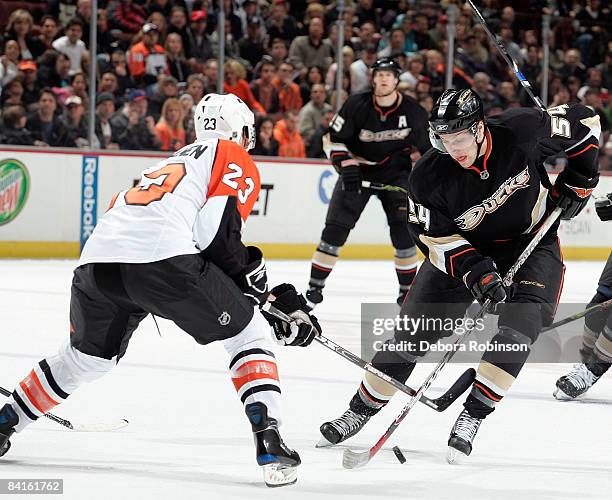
(195, 201)
(463, 214)
(375, 136)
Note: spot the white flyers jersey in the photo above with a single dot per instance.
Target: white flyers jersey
(183, 205)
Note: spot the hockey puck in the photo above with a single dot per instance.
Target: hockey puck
(400, 456)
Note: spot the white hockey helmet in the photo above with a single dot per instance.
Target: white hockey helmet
(224, 117)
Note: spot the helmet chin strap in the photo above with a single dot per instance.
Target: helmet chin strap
(479, 144)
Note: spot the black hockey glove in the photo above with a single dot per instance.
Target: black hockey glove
(603, 207)
(351, 176)
(303, 328)
(254, 280)
(484, 282)
(571, 192)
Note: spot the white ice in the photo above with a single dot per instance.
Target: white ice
(188, 437)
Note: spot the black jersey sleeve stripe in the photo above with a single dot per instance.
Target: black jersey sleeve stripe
(259, 388)
(46, 369)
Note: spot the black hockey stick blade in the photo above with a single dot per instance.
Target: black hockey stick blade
(462, 384)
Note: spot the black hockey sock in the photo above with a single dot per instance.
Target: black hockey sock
(364, 407)
(323, 262)
(477, 408)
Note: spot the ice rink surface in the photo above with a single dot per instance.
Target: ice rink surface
(188, 436)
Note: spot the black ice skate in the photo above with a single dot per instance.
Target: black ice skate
(314, 296)
(342, 428)
(8, 421)
(579, 380)
(462, 436)
(279, 462)
(403, 291)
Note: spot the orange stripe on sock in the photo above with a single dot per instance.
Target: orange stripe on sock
(254, 370)
(487, 393)
(37, 395)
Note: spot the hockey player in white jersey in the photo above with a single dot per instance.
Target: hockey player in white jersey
(172, 247)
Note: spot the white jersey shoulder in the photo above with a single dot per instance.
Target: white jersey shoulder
(154, 220)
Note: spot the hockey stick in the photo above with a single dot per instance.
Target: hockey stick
(574, 317)
(383, 187)
(97, 427)
(439, 404)
(352, 459)
(504, 52)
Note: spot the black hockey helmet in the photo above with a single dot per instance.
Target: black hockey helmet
(387, 64)
(454, 111)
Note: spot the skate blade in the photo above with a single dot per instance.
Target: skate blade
(453, 455)
(276, 475)
(324, 443)
(562, 396)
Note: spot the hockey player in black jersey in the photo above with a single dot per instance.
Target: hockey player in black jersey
(371, 139)
(596, 351)
(476, 199)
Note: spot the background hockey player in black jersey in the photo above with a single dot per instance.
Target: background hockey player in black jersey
(596, 351)
(477, 198)
(371, 138)
(172, 247)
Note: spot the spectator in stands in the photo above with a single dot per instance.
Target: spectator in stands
(53, 70)
(422, 38)
(169, 128)
(196, 84)
(280, 24)
(147, 58)
(166, 88)
(287, 133)
(72, 45)
(573, 84)
(360, 69)
(532, 68)
(426, 103)
(311, 50)
(105, 132)
(288, 92)
(48, 31)
(211, 72)
(315, 146)
(175, 57)
(507, 38)
(162, 6)
(9, 62)
(134, 129)
(562, 96)
(27, 75)
(414, 72)
(395, 43)
(573, 66)
(366, 37)
(188, 107)
(126, 16)
(482, 86)
(108, 84)
(365, 11)
(78, 87)
(104, 38)
(119, 66)
(235, 83)
(434, 70)
(348, 57)
(266, 144)
(310, 115)
(201, 46)
(507, 94)
(606, 70)
(19, 28)
(593, 100)
(314, 76)
(83, 13)
(178, 24)
(14, 131)
(161, 22)
(12, 93)
(45, 126)
(75, 121)
(264, 89)
(251, 46)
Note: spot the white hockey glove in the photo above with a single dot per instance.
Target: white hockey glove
(292, 325)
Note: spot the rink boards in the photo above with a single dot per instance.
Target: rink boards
(50, 201)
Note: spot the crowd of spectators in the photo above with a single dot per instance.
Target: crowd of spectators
(157, 58)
